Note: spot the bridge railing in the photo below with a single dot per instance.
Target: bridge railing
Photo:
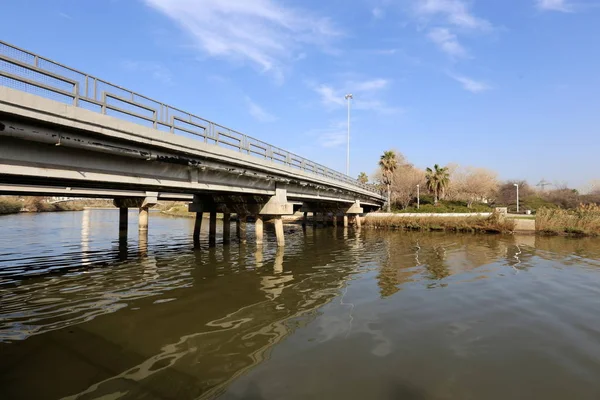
(29, 72)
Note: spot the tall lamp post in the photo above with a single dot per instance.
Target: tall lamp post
(348, 97)
(517, 186)
(418, 198)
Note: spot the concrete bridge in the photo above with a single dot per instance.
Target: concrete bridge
(67, 133)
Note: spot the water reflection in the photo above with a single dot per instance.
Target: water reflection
(174, 321)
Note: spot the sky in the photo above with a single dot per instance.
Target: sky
(509, 85)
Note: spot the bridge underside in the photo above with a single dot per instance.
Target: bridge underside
(42, 161)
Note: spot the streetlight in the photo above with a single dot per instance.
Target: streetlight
(418, 199)
(348, 97)
(517, 186)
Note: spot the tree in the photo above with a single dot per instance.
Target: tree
(473, 184)
(404, 184)
(438, 180)
(363, 178)
(507, 193)
(388, 164)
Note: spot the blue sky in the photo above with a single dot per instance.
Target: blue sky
(508, 85)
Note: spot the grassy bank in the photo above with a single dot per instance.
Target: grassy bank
(176, 209)
(583, 221)
(445, 207)
(492, 224)
(10, 205)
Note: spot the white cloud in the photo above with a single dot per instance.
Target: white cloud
(378, 12)
(376, 105)
(385, 52)
(335, 135)
(258, 112)
(470, 84)
(447, 41)
(366, 95)
(157, 71)
(455, 12)
(553, 5)
(329, 96)
(370, 85)
(263, 33)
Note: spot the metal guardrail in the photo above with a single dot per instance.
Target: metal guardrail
(29, 72)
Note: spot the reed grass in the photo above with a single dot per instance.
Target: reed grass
(583, 221)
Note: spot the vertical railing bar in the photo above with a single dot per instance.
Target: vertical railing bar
(76, 94)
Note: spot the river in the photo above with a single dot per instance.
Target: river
(335, 315)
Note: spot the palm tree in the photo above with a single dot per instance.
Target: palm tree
(363, 178)
(388, 164)
(438, 180)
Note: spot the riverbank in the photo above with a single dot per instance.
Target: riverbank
(484, 223)
(15, 205)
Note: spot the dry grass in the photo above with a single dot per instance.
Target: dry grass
(37, 204)
(584, 221)
(492, 224)
(10, 205)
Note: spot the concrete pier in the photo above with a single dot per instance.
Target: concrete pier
(143, 219)
(197, 227)
(279, 231)
(241, 228)
(123, 221)
(226, 227)
(345, 220)
(259, 229)
(212, 229)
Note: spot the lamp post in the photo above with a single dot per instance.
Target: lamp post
(517, 186)
(348, 97)
(418, 198)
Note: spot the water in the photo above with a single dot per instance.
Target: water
(381, 315)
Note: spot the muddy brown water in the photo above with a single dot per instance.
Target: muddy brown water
(337, 314)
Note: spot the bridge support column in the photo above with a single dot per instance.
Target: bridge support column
(355, 210)
(304, 219)
(123, 221)
(241, 228)
(143, 219)
(276, 207)
(259, 229)
(150, 200)
(197, 227)
(226, 227)
(334, 220)
(279, 231)
(315, 219)
(212, 229)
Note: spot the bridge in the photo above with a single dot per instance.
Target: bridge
(67, 133)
